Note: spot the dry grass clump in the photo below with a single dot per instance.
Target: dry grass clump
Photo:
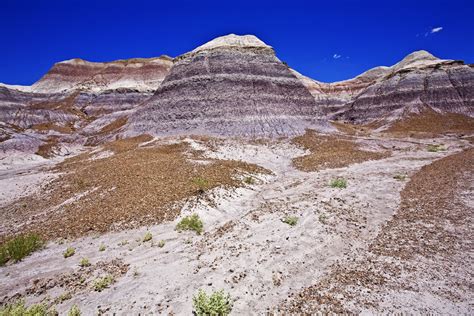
(19, 247)
(134, 187)
(328, 152)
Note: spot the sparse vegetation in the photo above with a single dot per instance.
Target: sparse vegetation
(19, 309)
(400, 177)
(74, 311)
(290, 220)
(249, 180)
(19, 247)
(161, 243)
(84, 262)
(63, 297)
(103, 283)
(435, 148)
(102, 247)
(70, 251)
(218, 303)
(339, 183)
(323, 218)
(192, 222)
(201, 184)
(148, 236)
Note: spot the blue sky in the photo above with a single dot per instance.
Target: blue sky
(326, 40)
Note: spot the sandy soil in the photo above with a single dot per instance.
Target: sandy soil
(246, 249)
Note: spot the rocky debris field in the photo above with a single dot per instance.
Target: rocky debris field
(350, 224)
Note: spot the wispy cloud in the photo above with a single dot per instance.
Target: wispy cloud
(336, 56)
(434, 30)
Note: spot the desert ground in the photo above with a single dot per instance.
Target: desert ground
(278, 234)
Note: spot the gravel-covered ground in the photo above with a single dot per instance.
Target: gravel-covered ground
(397, 238)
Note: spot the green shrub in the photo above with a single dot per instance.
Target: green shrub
(69, 252)
(103, 283)
(4, 257)
(161, 243)
(400, 177)
(148, 236)
(249, 180)
(19, 309)
(84, 262)
(338, 183)
(218, 303)
(74, 311)
(192, 222)
(435, 148)
(322, 218)
(19, 247)
(102, 247)
(290, 220)
(201, 183)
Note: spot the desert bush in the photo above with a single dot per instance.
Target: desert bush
(218, 303)
(290, 220)
(19, 247)
(338, 183)
(192, 222)
(400, 177)
(74, 311)
(322, 218)
(102, 247)
(148, 236)
(435, 148)
(19, 309)
(249, 180)
(201, 183)
(161, 243)
(103, 283)
(69, 252)
(84, 262)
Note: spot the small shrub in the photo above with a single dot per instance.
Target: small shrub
(69, 252)
(218, 303)
(148, 236)
(4, 257)
(102, 247)
(400, 177)
(103, 283)
(63, 297)
(84, 262)
(201, 183)
(249, 180)
(338, 183)
(290, 220)
(123, 243)
(323, 219)
(74, 311)
(19, 309)
(161, 243)
(136, 274)
(192, 222)
(435, 148)
(19, 247)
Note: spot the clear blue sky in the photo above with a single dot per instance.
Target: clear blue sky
(326, 40)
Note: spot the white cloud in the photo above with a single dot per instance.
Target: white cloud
(436, 29)
(336, 56)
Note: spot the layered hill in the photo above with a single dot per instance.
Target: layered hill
(231, 86)
(419, 84)
(77, 99)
